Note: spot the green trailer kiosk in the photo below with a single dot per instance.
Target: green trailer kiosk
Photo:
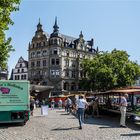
(14, 101)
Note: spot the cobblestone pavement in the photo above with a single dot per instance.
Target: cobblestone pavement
(58, 125)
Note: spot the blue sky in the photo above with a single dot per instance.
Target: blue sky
(112, 24)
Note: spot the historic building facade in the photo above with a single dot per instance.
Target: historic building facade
(20, 72)
(3, 74)
(55, 59)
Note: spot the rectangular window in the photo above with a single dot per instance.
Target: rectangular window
(66, 62)
(57, 73)
(53, 61)
(43, 43)
(17, 77)
(44, 62)
(38, 64)
(57, 61)
(32, 64)
(55, 52)
(73, 74)
(18, 70)
(73, 64)
(24, 76)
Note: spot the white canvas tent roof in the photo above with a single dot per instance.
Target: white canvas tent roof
(40, 88)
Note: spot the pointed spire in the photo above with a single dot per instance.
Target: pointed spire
(81, 35)
(39, 20)
(39, 26)
(29, 44)
(55, 27)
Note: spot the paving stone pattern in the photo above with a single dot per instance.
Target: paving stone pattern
(58, 125)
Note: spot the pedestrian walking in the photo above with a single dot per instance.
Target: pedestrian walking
(60, 104)
(81, 105)
(69, 105)
(95, 107)
(32, 103)
(52, 104)
(123, 107)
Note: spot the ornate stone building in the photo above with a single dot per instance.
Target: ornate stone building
(55, 59)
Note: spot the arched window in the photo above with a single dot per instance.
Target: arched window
(55, 41)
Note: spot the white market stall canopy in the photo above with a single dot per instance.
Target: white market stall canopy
(40, 88)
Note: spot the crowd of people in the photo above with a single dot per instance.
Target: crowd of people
(82, 108)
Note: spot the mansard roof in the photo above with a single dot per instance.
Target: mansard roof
(68, 38)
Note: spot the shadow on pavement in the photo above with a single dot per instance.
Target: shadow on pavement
(70, 128)
(103, 122)
(131, 134)
(108, 127)
(60, 111)
(7, 125)
(65, 114)
(106, 121)
(111, 121)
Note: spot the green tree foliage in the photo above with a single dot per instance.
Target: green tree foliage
(6, 8)
(110, 70)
